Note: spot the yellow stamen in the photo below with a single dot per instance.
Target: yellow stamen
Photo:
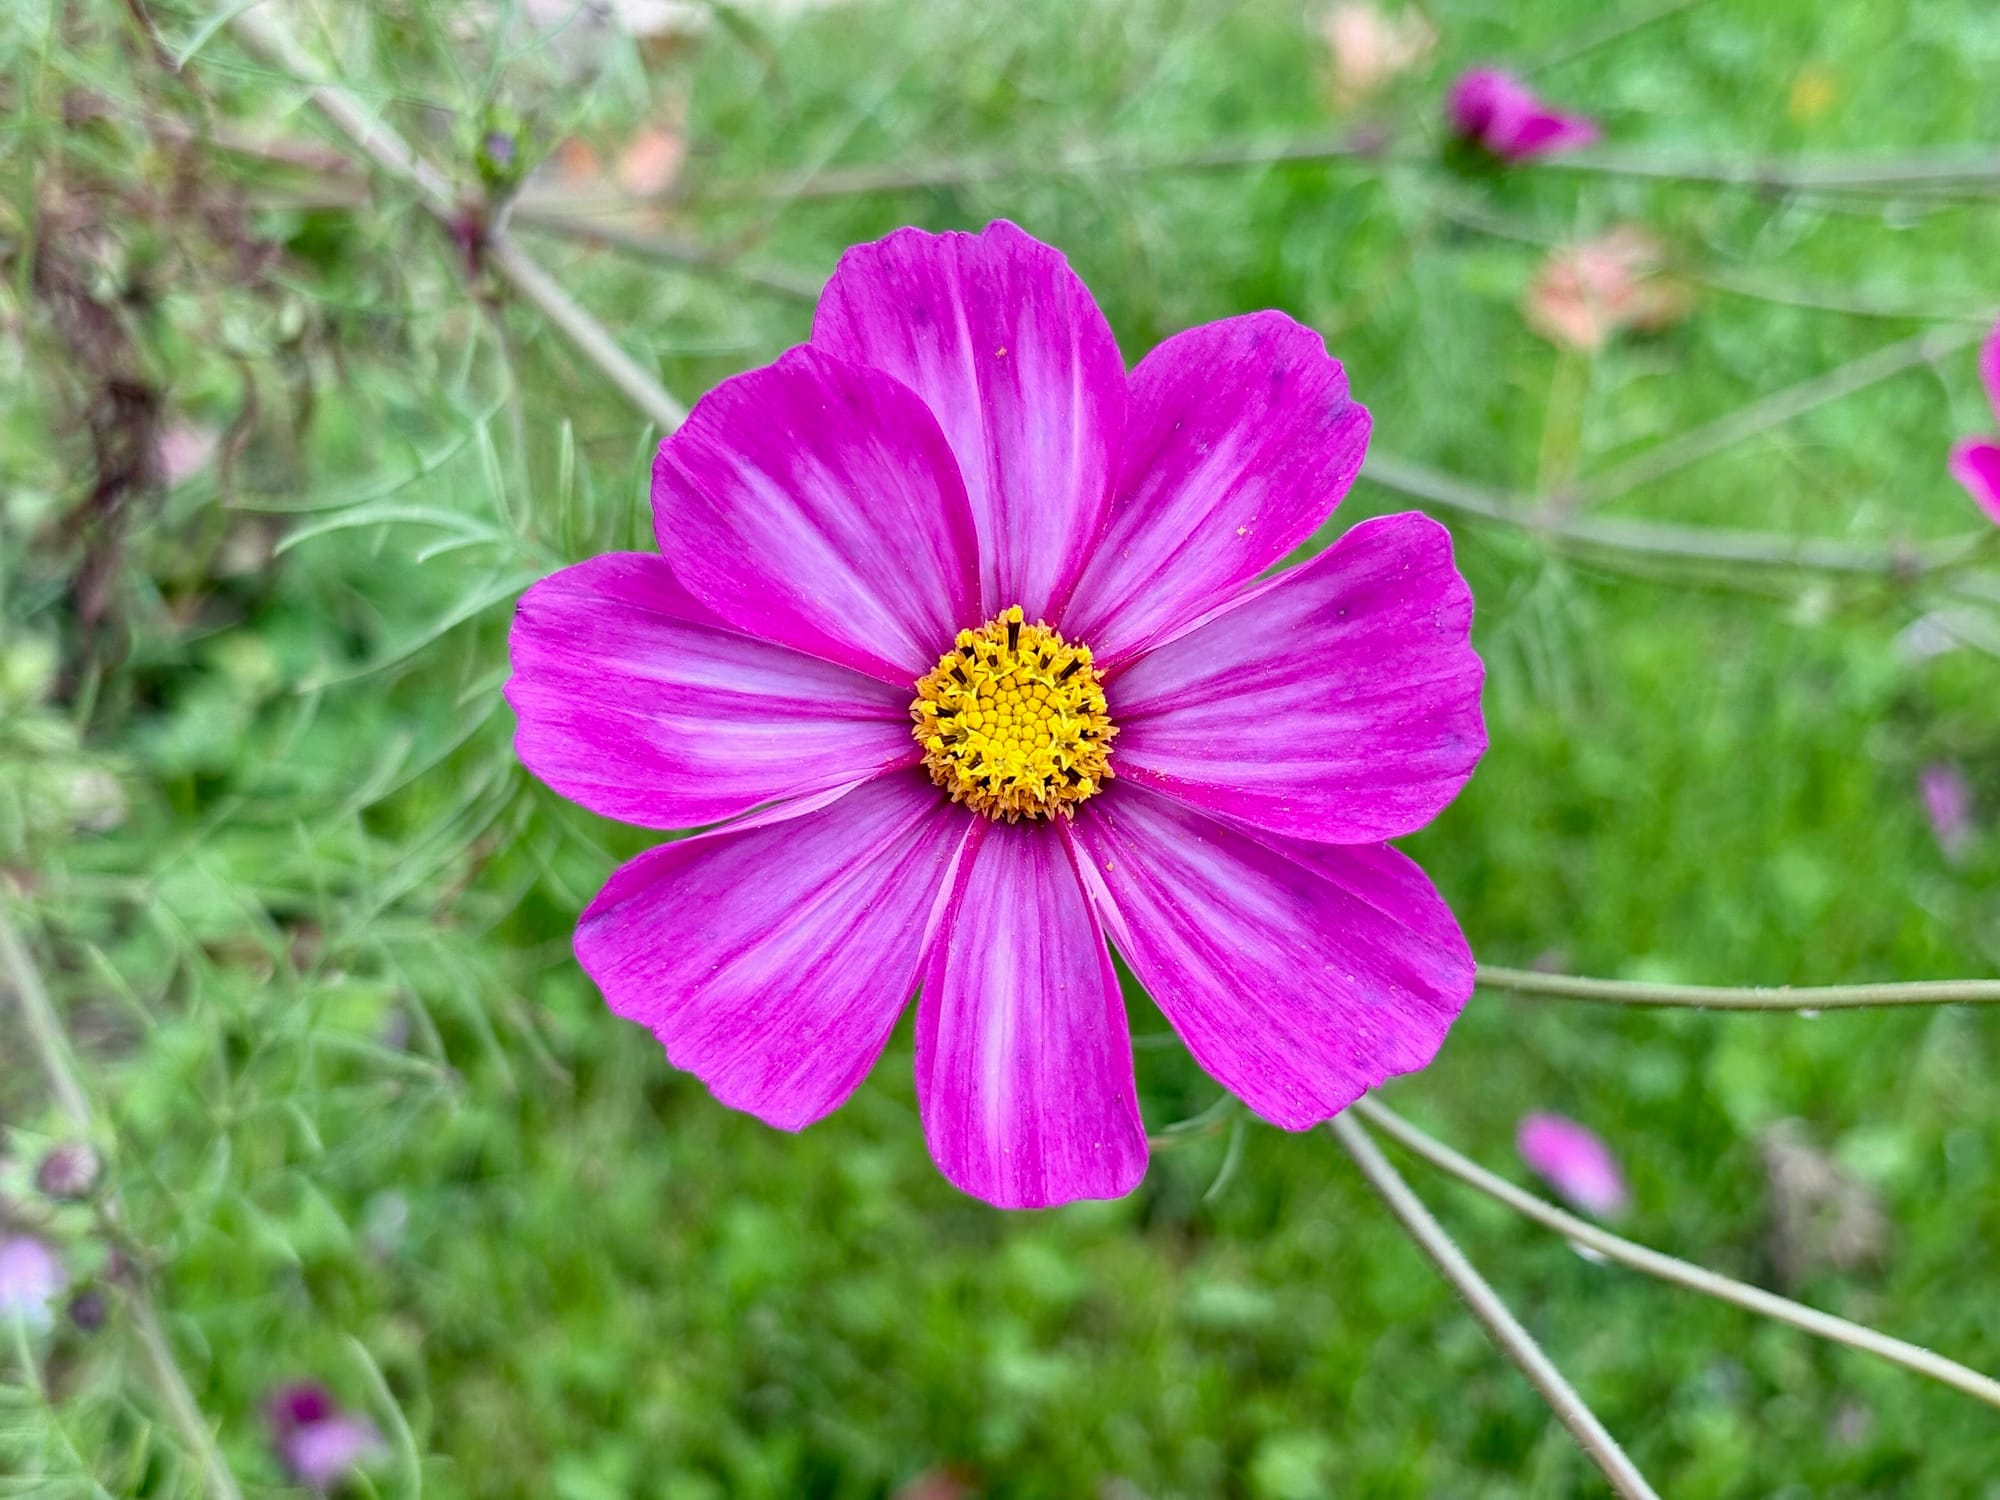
(1013, 722)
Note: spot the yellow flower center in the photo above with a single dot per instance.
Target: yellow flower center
(1013, 722)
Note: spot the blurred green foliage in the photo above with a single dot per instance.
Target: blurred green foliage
(308, 922)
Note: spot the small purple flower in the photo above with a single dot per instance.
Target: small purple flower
(957, 630)
(1975, 462)
(1574, 1162)
(1497, 111)
(1948, 804)
(70, 1170)
(31, 1278)
(317, 1443)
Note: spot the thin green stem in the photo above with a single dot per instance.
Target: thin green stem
(52, 1050)
(1977, 167)
(262, 34)
(1667, 1268)
(1661, 541)
(1741, 997)
(1515, 1341)
(1773, 411)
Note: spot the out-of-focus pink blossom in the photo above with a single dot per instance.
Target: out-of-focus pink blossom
(183, 450)
(31, 1278)
(1948, 804)
(317, 1442)
(1499, 112)
(1367, 47)
(1574, 1162)
(1975, 462)
(1586, 292)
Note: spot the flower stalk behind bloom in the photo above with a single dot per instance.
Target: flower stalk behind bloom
(1494, 110)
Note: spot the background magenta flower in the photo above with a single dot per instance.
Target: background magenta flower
(31, 1278)
(317, 1442)
(1948, 805)
(955, 506)
(1495, 110)
(1573, 1161)
(1975, 462)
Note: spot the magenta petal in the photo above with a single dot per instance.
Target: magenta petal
(1008, 349)
(321, 1454)
(1299, 975)
(1024, 1061)
(1975, 463)
(814, 503)
(1241, 440)
(1574, 1162)
(772, 958)
(1543, 132)
(635, 704)
(1338, 702)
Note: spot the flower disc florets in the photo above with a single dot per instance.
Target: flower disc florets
(1013, 721)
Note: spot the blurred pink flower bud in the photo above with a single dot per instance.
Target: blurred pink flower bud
(1948, 804)
(1584, 293)
(68, 1171)
(1574, 1162)
(1499, 112)
(317, 1442)
(1368, 47)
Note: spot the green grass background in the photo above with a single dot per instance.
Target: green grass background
(371, 1125)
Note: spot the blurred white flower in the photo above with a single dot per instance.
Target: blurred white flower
(31, 1278)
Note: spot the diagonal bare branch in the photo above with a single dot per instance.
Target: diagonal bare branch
(1515, 1341)
(264, 35)
(1681, 1273)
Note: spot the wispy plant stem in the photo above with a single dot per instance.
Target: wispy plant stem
(1742, 997)
(1668, 1268)
(1506, 1330)
(1949, 167)
(261, 33)
(1774, 410)
(1661, 541)
(52, 1050)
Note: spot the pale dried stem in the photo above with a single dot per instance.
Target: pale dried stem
(1515, 1341)
(1681, 1273)
(262, 34)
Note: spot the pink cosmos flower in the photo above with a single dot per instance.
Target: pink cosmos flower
(1574, 1162)
(915, 578)
(1975, 462)
(1499, 112)
(31, 1278)
(317, 1443)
